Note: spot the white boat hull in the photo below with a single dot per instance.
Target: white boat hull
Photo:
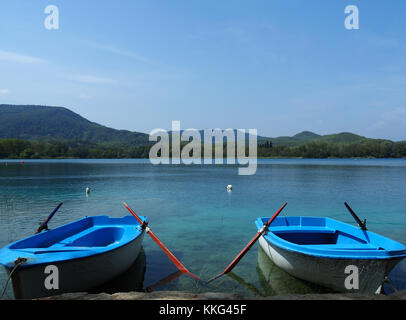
(75, 275)
(330, 272)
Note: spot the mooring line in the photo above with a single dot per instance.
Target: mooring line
(17, 263)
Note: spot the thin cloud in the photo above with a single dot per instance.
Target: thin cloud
(391, 123)
(84, 96)
(124, 53)
(92, 79)
(20, 58)
(4, 91)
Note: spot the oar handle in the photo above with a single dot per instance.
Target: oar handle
(362, 225)
(53, 212)
(268, 223)
(134, 214)
(44, 225)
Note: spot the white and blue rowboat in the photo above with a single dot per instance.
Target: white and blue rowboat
(74, 257)
(330, 253)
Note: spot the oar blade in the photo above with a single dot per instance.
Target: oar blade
(237, 259)
(249, 245)
(361, 224)
(242, 253)
(253, 240)
(171, 256)
(168, 253)
(215, 278)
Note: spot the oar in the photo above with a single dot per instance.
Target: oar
(170, 255)
(44, 225)
(362, 225)
(249, 245)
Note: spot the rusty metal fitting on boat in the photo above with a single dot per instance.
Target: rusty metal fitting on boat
(20, 261)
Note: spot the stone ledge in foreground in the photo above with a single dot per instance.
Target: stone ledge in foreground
(181, 295)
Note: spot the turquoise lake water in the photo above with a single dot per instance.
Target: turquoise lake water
(191, 211)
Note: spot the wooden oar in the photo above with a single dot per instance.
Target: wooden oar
(44, 225)
(362, 225)
(170, 255)
(249, 245)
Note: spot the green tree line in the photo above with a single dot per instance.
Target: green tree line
(364, 149)
(23, 149)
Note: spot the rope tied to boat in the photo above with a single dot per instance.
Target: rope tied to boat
(144, 226)
(264, 229)
(17, 263)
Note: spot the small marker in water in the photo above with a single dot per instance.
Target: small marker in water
(229, 187)
(87, 190)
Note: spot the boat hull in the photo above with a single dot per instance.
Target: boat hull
(29, 282)
(276, 281)
(331, 272)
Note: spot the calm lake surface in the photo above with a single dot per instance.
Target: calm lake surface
(191, 211)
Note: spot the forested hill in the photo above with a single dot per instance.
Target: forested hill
(56, 132)
(44, 123)
(307, 136)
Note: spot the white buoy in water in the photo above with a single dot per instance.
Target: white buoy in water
(87, 190)
(229, 187)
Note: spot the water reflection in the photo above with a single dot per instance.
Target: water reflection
(397, 279)
(164, 281)
(133, 279)
(275, 281)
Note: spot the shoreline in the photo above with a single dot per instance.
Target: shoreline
(258, 158)
(185, 295)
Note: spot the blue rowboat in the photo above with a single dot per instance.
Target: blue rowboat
(74, 257)
(330, 253)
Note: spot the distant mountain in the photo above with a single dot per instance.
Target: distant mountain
(43, 123)
(201, 133)
(29, 122)
(343, 137)
(297, 139)
(307, 136)
(55, 132)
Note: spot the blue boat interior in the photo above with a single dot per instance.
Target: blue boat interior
(325, 236)
(81, 236)
(90, 235)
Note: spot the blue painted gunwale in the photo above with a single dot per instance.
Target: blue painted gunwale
(79, 239)
(329, 238)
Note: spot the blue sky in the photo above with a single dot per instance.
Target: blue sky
(277, 66)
